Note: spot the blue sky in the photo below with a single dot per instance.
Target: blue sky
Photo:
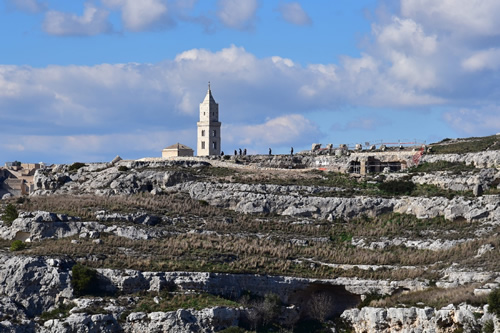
(89, 80)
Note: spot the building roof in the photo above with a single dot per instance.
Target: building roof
(178, 146)
(208, 97)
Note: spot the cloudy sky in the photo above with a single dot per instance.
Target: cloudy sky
(89, 80)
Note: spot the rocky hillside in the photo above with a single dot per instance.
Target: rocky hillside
(257, 243)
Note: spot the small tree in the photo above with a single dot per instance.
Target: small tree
(10, 214)
(397, 187)
(17, 245)
(75, 166)
(494, 302)
(83, 279)
(320, 306)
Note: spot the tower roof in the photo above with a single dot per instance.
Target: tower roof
(209, 98)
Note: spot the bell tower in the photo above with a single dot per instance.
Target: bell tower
(208, 127)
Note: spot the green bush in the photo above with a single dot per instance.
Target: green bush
(494, 302)
(83, 280)
(233, 329)
(397, 187)
(122, 168)
(489, 327)
(75, 166)
(62, 311)
(454, 167)
(17, 245)
(10, 214)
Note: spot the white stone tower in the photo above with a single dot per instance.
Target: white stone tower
(208, 127)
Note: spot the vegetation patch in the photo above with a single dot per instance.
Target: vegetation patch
(494, 302)
(174, 301)
(83, 280)
(62, 311)
(17, 245)
(397, 187)
(434, 297)
(453, 167)
(469, 145)
(75, 166)
(10, 214)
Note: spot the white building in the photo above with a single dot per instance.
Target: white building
(208, 143)
(177, 150)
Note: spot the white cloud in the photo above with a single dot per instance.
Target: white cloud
(405, 35)
(409, 50)
(289, 129)
(463, 18)
(141, 15)
(94, 21)
(478, 122)
(95, 147)
(108, 97)
(30, 6)
(237, 14)
(293, 13)
(483, 60)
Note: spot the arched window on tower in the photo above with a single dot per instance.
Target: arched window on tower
(202, 132)
(214, 145)
(203, 145)
(214, 133)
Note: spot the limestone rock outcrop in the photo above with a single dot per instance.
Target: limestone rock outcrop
(282, 200)
(39, 225)
(35, 283)
(448, 319)
(106, 179)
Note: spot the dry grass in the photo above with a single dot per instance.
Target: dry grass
(259, 244)
(198, 252)
(85, 206)
(434, 297)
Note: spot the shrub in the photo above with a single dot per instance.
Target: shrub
(233, 329)
(494, 302)
(489, 327)
(75, 166)
(397, 187)
(83, 280)
(17, 245)
(122, 168)
(455, 167)
(10, 214)
(62, 311)
(320, 306)
(368, 299)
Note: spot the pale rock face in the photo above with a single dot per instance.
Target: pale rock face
(484, 159)
(105, 179)
(39, 225)
(34, 283)
(183, 321)
(282, 200)
(417, 320)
